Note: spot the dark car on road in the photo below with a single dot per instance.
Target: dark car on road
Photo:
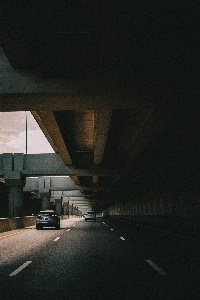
(91, 215)
(47, 218)
(105, 215)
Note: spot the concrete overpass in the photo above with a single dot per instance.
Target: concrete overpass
(51, 181)
(112, 87)
(61, 194)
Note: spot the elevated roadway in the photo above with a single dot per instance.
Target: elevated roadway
(113, 88)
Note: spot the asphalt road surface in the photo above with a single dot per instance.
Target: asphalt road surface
(98, 260)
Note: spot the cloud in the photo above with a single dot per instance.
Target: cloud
(36, 143)
(13, 134)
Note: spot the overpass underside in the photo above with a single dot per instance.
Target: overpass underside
(112, 87)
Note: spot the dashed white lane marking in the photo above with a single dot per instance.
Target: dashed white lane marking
(20, 268)
(122, 238)
(158, 269)
(57, 239)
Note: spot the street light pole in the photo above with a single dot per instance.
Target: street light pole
(26, 133)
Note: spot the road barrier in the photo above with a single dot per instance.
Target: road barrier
(7, 224)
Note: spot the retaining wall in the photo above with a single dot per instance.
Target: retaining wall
(7, 224)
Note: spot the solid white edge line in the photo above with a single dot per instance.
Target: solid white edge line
(20, 268)
(158, 269)
(57, 239)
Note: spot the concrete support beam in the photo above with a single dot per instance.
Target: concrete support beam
(71, 210)
(45, 203)
(66, 207)
(48, 124)
(67, 99)
(67, 171)
(58, 206)
(11, 166)
(76, 179)
(71, 193)
(31, 185)
(15, 201)
(51, 164)
(102, 122)
(78, 188)
(95, 179)
(44, 186)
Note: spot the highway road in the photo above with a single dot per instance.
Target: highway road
(98, 260)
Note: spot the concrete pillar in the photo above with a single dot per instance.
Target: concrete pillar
(45, 203)
(75, 211)
(59, 207)
(66, 208)
(15, 200)
(71, 210)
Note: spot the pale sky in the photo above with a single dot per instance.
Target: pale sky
(13, 134)
(13, 124)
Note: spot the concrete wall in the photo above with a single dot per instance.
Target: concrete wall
(7, 224)
(165, 179)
